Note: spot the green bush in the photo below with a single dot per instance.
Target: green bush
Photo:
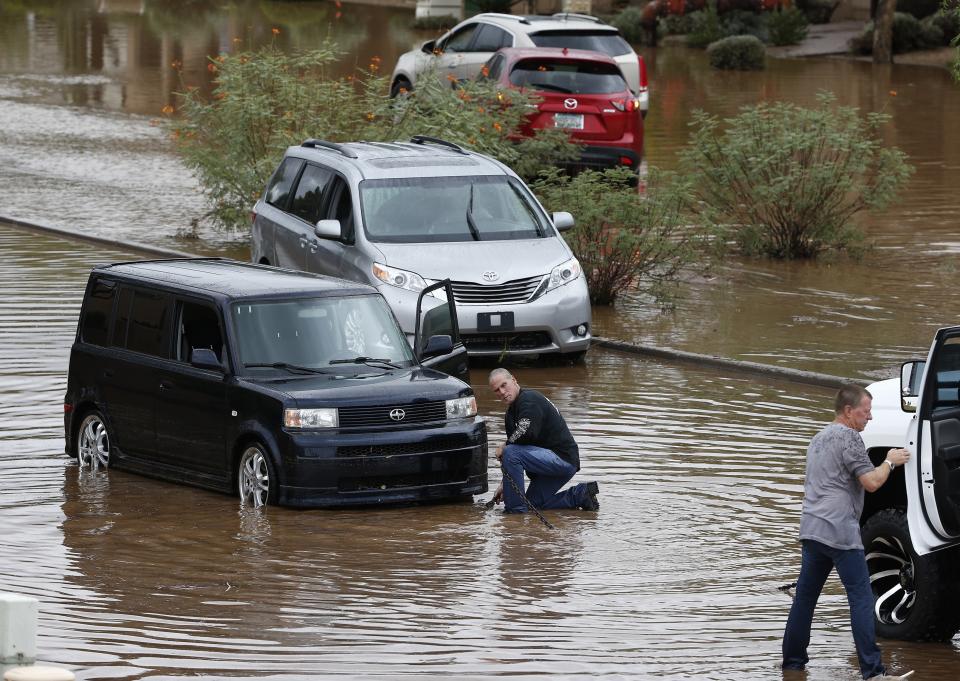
(743, 22)
(738, 53)
(265, 101)
(625, 240)
(680, 24)
(628, 23)
(947, 22)
(908, 34)
(784, 181)
(787, 26)
(706, 27)
(818, 11)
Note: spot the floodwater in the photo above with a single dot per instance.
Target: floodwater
(676, 577)
(700, 472)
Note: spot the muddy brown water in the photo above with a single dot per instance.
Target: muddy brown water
(700, 471)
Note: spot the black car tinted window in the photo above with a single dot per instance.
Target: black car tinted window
(122, 320)
(460, 41)
(606, 42)
(278, 191)
(576, 77)
(308, 198)
(341, 208)
(490, 39)
(198, 326)
(146, 332)
(95, 326)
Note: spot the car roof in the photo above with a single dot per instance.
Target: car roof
(515, 54)
(231, 279)
(537, 23)
(379, 160)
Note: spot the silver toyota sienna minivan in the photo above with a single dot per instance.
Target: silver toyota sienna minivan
(403, 215)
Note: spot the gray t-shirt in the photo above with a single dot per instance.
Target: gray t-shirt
(833, 495)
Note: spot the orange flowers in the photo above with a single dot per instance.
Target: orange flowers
(498, 127)
(275, 31)
(893, 93)
(176, 64)
(485, 71)
(374, 64)
(211, 67)
(167, 109)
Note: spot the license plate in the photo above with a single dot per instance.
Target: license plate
(495, 321)
(568, 121)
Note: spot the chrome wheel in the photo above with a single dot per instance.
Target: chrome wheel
(93, 442)
(254, 477)
(892, 574)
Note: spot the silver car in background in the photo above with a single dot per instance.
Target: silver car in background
(402, 216)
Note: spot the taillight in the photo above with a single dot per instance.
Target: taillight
(643, 73)
(626, 160)
(625, 104)
(67, 407)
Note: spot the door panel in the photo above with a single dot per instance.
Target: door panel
(436, 317)
(325, 255)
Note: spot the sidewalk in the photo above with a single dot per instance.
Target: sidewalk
(822, 39)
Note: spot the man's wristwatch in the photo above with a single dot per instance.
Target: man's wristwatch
(891, 464)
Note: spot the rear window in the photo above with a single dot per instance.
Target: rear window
(606, 42)
(96, 313)
(573, 77)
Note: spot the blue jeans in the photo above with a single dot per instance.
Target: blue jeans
(547, 473)
(818, 560)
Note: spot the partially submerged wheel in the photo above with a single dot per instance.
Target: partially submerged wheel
(254, 478)
(916, 596)
(93, 442)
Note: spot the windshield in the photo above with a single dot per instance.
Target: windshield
(431, 209)
(311, 333)
(607, 42)
(575, 77)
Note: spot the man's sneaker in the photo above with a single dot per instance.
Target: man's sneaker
(591, 503)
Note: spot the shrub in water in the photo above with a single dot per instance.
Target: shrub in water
(741, 22)
(787, 26)
(706, 27)
(908, 34)
(680, 24)
(784, 181)
(738, 53)
(818, 11)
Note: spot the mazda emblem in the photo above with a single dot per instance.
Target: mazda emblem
(397, 414)
(569, 103)
(490, 275)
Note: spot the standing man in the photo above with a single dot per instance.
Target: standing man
(838, 470)
(540, 445)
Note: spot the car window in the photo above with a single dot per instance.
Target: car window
(146, 323)
(97, 308)
(606, 42)
(577, 77)
(431, 209)
(492, 69)
(341, 207)
(460, 41)
(490, 39)
(308, 198)
(946, 367)
(197, 327)
(278, 190)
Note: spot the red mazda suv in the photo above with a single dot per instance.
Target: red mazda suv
(582, 92)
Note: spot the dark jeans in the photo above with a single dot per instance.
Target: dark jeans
(547, 473)
(818, 560)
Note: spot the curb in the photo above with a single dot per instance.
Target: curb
(768, 370)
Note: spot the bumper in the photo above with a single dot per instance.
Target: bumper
(594, 156)
(356, 469)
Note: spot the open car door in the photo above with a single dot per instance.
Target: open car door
(437, 341)
(934, 494)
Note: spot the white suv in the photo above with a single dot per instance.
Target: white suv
(464, 50)
(911, 526)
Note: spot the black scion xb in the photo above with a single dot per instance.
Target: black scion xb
(290, 388)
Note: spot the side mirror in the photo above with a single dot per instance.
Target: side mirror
(910, 375)
(429, 46)
(327, 229)
(563, 221)
(441, 344)
(205, 358)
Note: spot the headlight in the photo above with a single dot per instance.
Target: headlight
(399, 278)
(311, 418)
(462, 407)
(564, 274)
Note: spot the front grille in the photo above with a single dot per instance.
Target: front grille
(447, 467)
(516, 291)
(401, 448)
(379, 415)
(530, 340)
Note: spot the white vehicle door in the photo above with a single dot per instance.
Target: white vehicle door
(454, 51)
(933, 474)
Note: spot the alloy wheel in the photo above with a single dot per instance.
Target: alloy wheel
(892, 573)
(93, 443)
(254, 477)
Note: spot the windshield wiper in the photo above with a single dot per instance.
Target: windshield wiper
(285, 365)
(471, 223)
(548, 86)
(366, 360)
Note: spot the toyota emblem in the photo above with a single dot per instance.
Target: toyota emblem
(490, 275)
(397, 414)
(569, 103)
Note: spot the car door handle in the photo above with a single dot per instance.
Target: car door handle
(303, 242)
(314, 245)
(166, 385)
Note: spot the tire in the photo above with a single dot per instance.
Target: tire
(398, 85)
(916, 596)
(93, 442)
(256, 481)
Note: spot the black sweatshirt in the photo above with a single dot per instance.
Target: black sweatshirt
(533, 420)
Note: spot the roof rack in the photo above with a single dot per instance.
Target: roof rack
(573, 15)
(425, 139)
(498, 15)
(333, 146)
